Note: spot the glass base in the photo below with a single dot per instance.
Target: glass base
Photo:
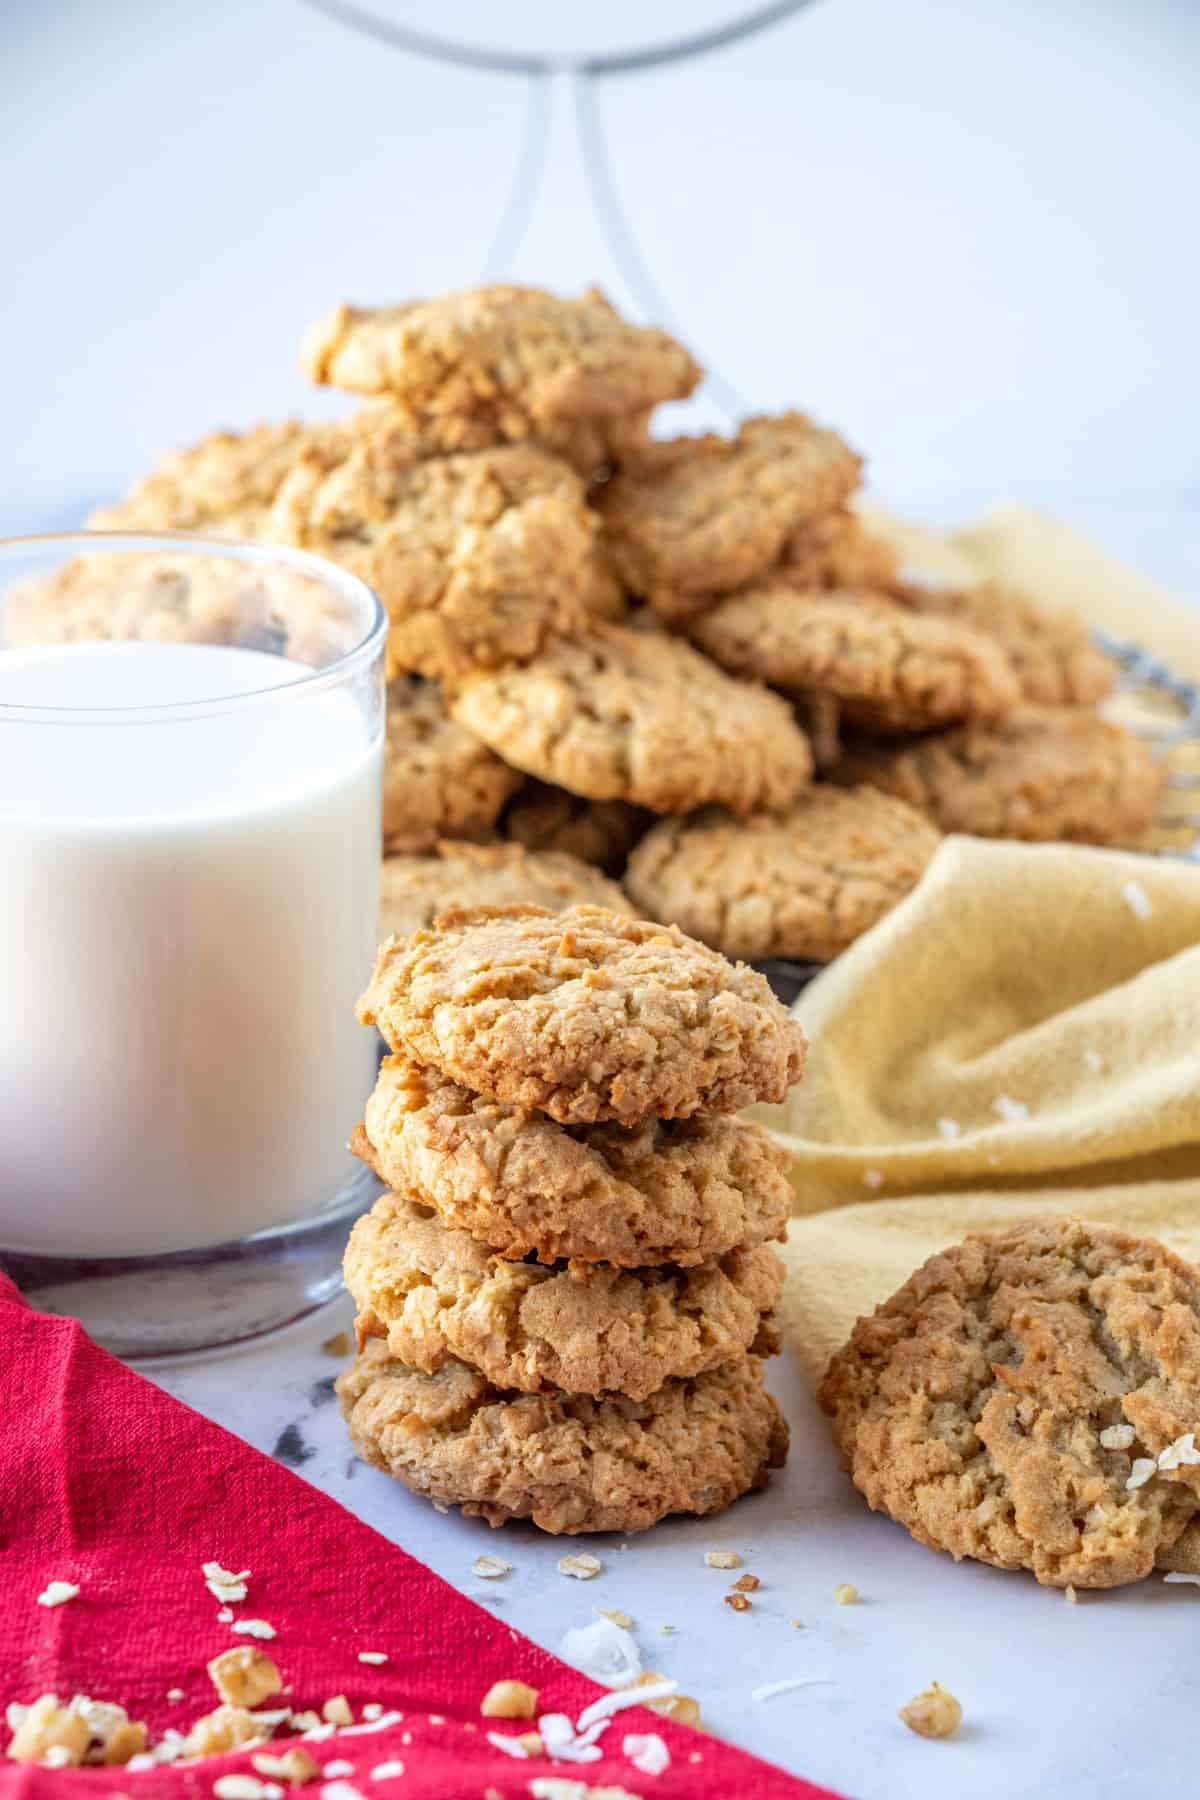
(149, 1308)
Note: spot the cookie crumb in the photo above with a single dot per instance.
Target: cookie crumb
(244, 1676)
(340, 1344)
(1008, 1109)
(490, 1568)
(57, 1593)
(582, 1568)
(846, 1594)
(225, 1728)
(1143, 1468)
(375, 1657)
(746, 1584)
(738, 1602)
(722, 1559)
(336, 1711)
(509, 1700)
(226, 1585)
(933, 1713)
(1117, 1437)
(796, 1624)
(616, 1615)
(1137, 900)
(48, 1726)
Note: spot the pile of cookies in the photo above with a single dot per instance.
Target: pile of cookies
(565, 1296)
(628, 658)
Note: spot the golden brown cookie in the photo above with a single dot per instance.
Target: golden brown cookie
(438, 780)
(1044, 774)
(597, 831)
(415, 888)
(1031, 1399)
(225, 484)
(585, 1015)
(639, 716)
(665, 1191)
(803, 884)
(837, 550)
(477, 557)
(889, 669)
(568, 1462)
(1055, 661)
(435, 1294)
(699, 516)
(519, 358)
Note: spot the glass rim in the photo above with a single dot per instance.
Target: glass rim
(80, 543)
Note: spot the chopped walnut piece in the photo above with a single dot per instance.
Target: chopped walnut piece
(933, 1713)
(846, 1594)
(295, 1765)
(245, 1676)
(337, 1711)
(49, 1725)
(722, 1559)
(225, 1728)
(746, 1584)
(509, 1700)
(304, 1721)
(738, 1602)
(531, 1742)
(583, 1568)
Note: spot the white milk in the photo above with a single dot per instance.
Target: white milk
(187, 916)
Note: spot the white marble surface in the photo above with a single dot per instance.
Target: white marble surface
(1097, 1699)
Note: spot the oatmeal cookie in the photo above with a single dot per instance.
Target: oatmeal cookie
(414, 889)
(666, 1191)
(889, 669)
(568, 1462)
(803, 884)
(477, 557)
(438, 780)
(698, 516)
(519, 358)
(639, 716)
(597, 831)
(435, 1294)
(1055, 661)
(225, 484)
(1045, 775)
(584, 1014)
(837, 551)
(1029, 1399)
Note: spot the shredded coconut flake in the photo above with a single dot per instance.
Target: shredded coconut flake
(385, 1770)
(381, 1723)
(604, 1650)
(255, 1628)
(339, 1767)
(770, 1689)
(340, 1790)
(1136, 899)
(1009, 1109)
(949, 1128)
(372, 1656)
(1143, 1468)
(1182, 1576)
(1182, 1451)
(1117, 1437)
(608, 1704)
(511, 1746)
(648, 1754)
(57, 1593)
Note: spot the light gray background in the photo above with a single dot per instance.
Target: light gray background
(965, 232)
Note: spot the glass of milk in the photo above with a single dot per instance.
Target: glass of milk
(190, 793)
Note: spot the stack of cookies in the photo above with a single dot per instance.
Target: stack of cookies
(566, 1294)
(592, 631)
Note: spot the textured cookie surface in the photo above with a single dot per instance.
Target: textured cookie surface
(415, 888)
(517, 356)
(698, 516)
(1042, 775)
(603, 832)
(477, 557)
(1031, 1400)
(639, 716)
(438, 780)
(565, 1461)
(435, 1293)
(585, 1015)
(803, 884)
(888, 667)
(225, 484)
(1055, 661)
(665, 1191)
(837, 550)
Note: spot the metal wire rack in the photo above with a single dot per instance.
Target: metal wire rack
(1156, 703)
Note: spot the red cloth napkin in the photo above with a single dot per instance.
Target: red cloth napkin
(108, 1482)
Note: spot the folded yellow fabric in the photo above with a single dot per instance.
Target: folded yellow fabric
(1021, 1034)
